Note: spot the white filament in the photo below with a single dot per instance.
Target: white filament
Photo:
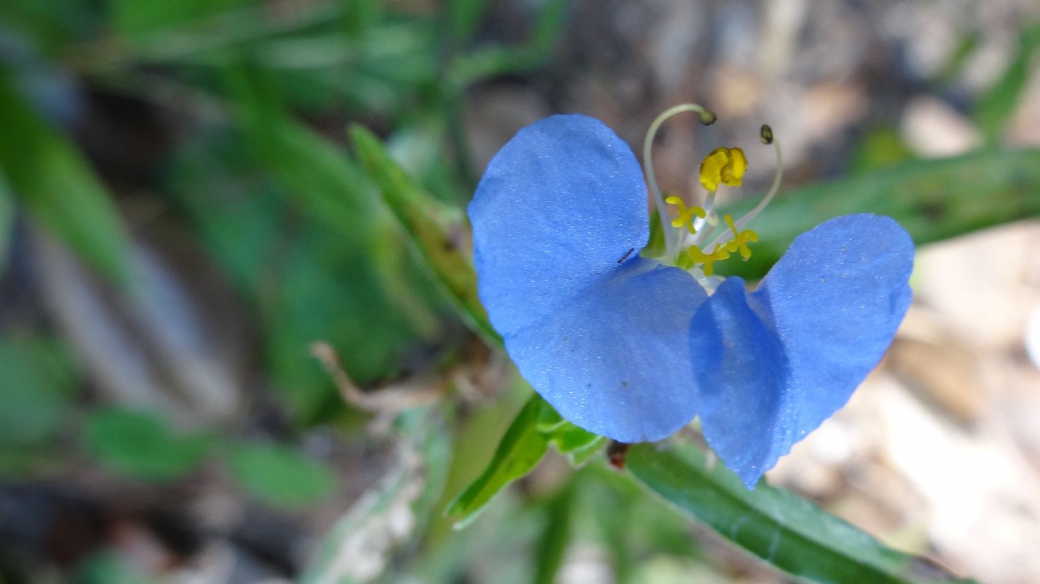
(670, 239)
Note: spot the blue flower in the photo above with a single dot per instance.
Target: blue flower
(633, 348)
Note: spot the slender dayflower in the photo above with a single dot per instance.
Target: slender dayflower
(633, 348)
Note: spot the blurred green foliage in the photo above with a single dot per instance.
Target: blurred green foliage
(39, 383)
(279, 475)
(58, 187)
(142, 445)
(993, 109)
(358, 238)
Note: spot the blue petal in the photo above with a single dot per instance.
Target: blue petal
(613, 360)
(557, 209)
(772, 365)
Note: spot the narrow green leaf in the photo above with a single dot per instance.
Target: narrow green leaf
(956, 60)
(995, 107)
(556, 536)
(279, 475)
(932, 199)
(60, 190)
(520, 450)
(775, 525)
(141, 445)
(424, 221)
(525, 443)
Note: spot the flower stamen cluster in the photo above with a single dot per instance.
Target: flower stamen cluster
(686, 247)
(694, 256)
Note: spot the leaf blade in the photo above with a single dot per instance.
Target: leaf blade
(519, 451)
(776, 525)
(51, 177)
(419, 214)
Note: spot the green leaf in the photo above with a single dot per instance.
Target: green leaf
(425, 222)
(36, 383)
(577, 444)
(520, 450)
(995, 107)
(932, 199)
(557, 535)
(525, 443)
(60, 190)
(775, 525)
(279, 475)
(141, 445)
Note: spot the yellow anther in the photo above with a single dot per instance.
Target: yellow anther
(708, 259)
(723, 165)
(685, 215)
(734, 173)
(740, 239)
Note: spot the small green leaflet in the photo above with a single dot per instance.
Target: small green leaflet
(523, 446)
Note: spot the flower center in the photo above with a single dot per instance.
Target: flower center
(686, 234)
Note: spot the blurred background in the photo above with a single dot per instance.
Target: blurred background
(182, 215)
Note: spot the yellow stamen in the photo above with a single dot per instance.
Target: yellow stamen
(685, 215)
(740, 239)
(708, 259)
